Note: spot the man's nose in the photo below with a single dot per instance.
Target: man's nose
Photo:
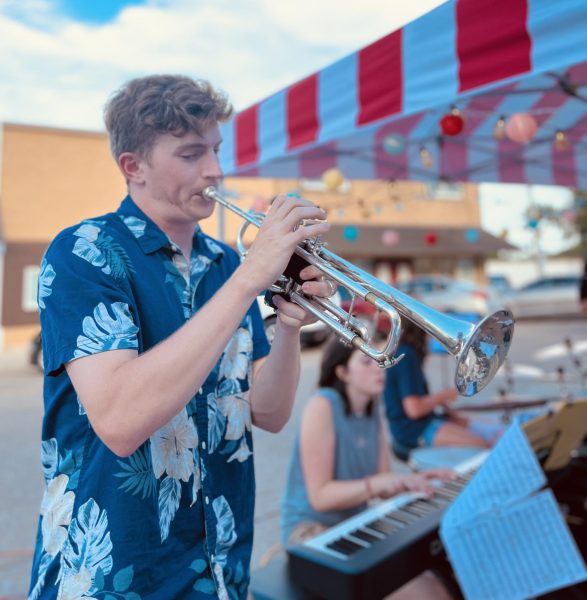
(213, 170)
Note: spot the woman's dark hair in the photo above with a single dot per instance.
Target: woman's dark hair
(415, 337)
(338, 354)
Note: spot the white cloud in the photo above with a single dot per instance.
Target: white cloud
(60, 72)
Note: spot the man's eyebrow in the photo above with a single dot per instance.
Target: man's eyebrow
(191, 145)
(196, 146)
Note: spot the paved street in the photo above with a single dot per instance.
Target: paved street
(536, 354)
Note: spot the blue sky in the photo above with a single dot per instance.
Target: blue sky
(94, 11)
(67, 56)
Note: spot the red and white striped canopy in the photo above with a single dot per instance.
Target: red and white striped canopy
(373, 113)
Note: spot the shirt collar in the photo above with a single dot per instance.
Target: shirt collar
(151, 238)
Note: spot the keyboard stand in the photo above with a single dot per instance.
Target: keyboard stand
(273, 582)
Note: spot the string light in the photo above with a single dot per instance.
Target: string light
(561, 141)
(426, 158)
(499, 129)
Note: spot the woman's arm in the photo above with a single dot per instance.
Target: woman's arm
(420, 406)
(384, 445)
(317, 449)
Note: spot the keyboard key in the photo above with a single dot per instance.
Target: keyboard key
(384, 527)
(363, 535)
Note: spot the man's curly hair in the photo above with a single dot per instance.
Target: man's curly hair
(147, 107)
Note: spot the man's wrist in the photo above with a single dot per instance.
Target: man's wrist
(288, 329)
(246, 284)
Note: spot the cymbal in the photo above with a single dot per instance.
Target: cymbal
(501, 405)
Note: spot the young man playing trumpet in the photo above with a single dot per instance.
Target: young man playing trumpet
(157, 366)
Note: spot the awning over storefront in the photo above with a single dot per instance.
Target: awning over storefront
(376, 113)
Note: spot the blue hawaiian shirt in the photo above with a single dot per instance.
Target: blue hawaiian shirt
(174, 519)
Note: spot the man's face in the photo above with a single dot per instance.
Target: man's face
(177, 171)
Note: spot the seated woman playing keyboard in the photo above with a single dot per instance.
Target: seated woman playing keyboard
(340, 460)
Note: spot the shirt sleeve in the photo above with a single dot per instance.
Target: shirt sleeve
(85, 300)
(408, 375)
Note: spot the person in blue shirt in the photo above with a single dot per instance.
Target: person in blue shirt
(411, 408)
(157, 366)
(340, 460)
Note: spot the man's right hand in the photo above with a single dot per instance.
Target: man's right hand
(277, 238)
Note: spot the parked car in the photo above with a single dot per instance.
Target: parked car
(310, 335)
(500, 283)
(446, 294)
(547, 297)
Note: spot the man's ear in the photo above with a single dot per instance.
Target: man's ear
(132, 167)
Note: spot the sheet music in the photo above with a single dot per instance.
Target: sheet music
(504, 540)
(509, 473)
(520, 551)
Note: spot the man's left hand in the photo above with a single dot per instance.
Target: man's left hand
(293, 315)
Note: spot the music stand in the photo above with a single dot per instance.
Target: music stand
(555, 434)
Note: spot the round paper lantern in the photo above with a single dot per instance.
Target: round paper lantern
(394, 144)
(332, 179)
(472, 235)
(521, 128)
(431, 239)
(452, 124)
(350, 233)
(390, 237)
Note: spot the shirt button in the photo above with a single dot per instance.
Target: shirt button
(203, 445)
(201, 391)
(207, 500)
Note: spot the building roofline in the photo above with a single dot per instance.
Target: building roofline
(47, 128)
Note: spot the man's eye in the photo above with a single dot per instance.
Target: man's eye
(189, 156)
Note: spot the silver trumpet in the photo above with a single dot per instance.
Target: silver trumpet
(480, 349)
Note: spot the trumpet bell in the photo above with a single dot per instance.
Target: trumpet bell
(483, 352)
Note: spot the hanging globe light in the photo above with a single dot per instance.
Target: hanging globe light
(332, 179)
(431, 239)
(390, 237)
(452, 124)
(394, 144)
(521, 128)
(350, 233)
(472, 235)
